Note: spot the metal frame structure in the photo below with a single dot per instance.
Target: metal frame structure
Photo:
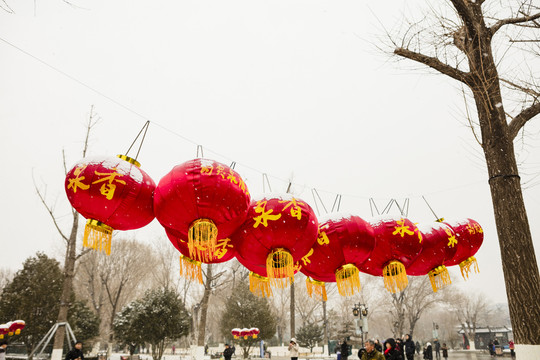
(47, 339)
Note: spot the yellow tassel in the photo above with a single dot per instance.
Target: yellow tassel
(468, 266)
(97, 236)
(395, 277)
(280, 268)
(190, 269)
(18, 332)
(439, 278)
(259, 285)
(1, 336)
(317, 287)
(202, 240)
(348, 280)
(254, 336)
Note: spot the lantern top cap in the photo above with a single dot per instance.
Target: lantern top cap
(129, 160)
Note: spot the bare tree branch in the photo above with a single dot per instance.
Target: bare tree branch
(49, 209)
(436, 64)
(466, 15)
(521, 119)
(495, 27)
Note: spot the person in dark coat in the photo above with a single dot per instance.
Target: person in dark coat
(228, 352)
(378, 346)
(444, 351)
(428, 352)
(437, 349)
(75, 353)
(418, 347)
(400, 349)
(391, 352)
(409, 347)
(344, 350)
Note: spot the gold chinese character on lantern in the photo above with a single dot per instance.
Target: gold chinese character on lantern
(107, 189)
(402, 229)
(323, 239)
(305, 259)
(76, 182)
(296, 211)
(451, 238)
(265, 215)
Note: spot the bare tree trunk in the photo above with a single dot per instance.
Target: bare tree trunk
(293, 330)
(204, 305)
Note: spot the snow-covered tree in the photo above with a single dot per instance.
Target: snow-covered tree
(309, 335)
(245, 310)
(159, 316)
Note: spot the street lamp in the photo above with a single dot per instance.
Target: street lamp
(360, 312)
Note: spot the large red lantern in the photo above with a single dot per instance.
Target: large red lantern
(343, 244)
(203, 201)
(4, 330)
(278, 232)
(191, 268)
(112, 193)
(469, 235)
(439, 244)
(398, 243)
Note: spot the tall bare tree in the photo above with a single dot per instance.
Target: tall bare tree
(470, 45)
(71, 245)
(472, 310)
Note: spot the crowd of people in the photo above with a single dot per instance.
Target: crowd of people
(397, 349)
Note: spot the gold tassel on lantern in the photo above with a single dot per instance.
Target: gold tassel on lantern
(348, 280)
(468, 266)
(202, 240)
(317, 287)
(97, 236)
(395, 277)
(280, 268)
(439, 278)
(190, 269)
(259, 285)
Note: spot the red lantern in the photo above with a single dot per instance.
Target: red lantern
(469, 235)
(439, 244)
(255, 332)
(398, 243)
(16, 326)
(278, 232)
(4, 330)
(344, 243)
(112, 193)
(203, 201)
(244, 333)
(191, 268)
(235, 332)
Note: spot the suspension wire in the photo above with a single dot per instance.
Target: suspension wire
(142, 140)
(315, 202)
(233, 164)
(388, 206)
(265, 176)
(144, 128)
(200, 147)
(436, 217)
(371, 201)
(322, 203)
(407, 211)
(289, 188)
(337, 201)
(147, 119)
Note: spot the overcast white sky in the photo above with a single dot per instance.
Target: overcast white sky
(288, 88)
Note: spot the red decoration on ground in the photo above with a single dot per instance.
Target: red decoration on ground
(113, 194)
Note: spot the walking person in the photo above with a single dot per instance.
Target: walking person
(75, 353)
(417, 347)
(512, 346)
(227, 353)
(3, 347)
(293, 349)
(444, 351)
(371, 352)
(391, 351)
(409, 347)
(428, 352)
(344, 350)
(437, 349)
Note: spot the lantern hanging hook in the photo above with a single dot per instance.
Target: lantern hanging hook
(200, 149)
(265, 176)
(289, 188)
(436, 217)
(388, 206)
(315, 192)
(373, 205)
(337, 202)
(233, 164)
(402, 208)
(145, 129)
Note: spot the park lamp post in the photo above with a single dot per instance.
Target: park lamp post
(360, 312)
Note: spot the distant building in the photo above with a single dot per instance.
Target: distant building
(485, 334)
